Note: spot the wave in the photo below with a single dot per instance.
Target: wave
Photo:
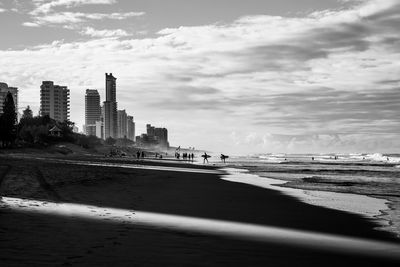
(350, 157)
(380, 157)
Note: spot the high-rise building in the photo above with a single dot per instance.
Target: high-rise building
(154, 137)
(110, 108)
(131, 128)
(122, 124)
(92, 111)
(100, 124)
(54, 101)
(4, 89)
(161, 136)
(150, 130)
(100, 129)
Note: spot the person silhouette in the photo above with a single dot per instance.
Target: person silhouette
(223, 157)
(205, 157)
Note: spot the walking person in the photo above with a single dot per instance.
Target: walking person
(205, 157)
(223, 157)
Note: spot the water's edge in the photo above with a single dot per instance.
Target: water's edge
(378, 209)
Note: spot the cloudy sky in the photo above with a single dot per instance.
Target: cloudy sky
(287, 76)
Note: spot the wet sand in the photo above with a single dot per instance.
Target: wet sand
(28, 238)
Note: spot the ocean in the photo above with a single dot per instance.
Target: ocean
(366, 184)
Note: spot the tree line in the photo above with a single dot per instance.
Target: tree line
(34, 130)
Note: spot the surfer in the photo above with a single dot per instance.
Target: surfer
(223, 157)
(205, 157)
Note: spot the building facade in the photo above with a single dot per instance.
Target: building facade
(54, 101)
(4, 89)
(92, 111)
(131, 128)
(155, 137)
(110, 108)
(100, 129)
(122, 124)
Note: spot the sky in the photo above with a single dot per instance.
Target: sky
(240, 77)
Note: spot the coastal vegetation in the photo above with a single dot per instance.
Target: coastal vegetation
(8, 120)
(36, 131)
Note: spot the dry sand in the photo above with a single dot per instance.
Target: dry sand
(34, 239)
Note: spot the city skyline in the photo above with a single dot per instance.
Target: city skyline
(107, 120)
(264, 76)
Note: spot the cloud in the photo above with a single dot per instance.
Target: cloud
(79, 17)
(45, 14)
(103, 33)
(30, 24)
(326, 110)
(328, 79)
(43, 6)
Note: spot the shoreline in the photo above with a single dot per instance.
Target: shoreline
(381, 213)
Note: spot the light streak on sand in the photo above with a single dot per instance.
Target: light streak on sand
(230, 229)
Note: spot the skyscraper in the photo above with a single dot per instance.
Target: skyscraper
(122, 124)
(161, 135)
(154, 137)
(100, 124)
(4, 89)
(92, 110)
(54, 101)
(110, 108)
(131, 128)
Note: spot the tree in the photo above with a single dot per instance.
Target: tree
(110, 141)
(27, 113)
(8, 121)
(87, 141)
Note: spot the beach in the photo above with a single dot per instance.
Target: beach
(124, 212)
(364, 184)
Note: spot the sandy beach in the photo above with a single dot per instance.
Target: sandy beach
(187, 204)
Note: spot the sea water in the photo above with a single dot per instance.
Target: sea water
(367, 184)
